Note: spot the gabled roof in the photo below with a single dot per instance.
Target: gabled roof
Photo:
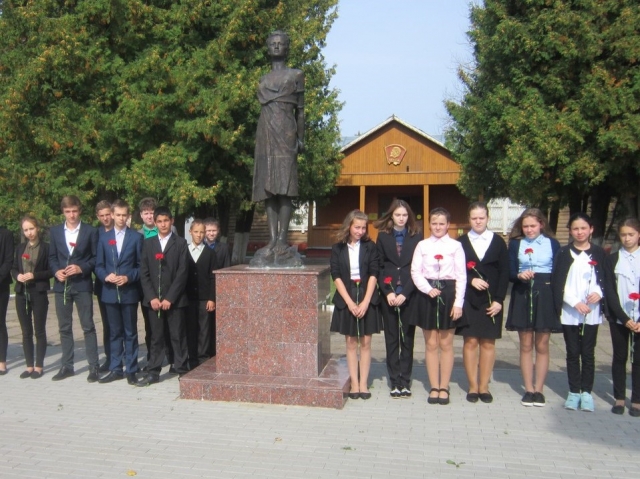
(350, 141)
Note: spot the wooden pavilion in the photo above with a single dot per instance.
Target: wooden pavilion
(392, 160)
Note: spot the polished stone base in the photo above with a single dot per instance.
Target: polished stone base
(272, 341)
(329, 389)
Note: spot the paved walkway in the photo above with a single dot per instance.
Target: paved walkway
(73, 429)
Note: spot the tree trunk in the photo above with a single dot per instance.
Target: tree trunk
(600, 200)
(244, 220)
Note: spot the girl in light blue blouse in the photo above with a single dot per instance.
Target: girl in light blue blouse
(531, 309)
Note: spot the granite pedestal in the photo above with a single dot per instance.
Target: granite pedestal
(272, 341)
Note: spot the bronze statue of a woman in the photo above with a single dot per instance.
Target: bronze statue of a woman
(279, 139)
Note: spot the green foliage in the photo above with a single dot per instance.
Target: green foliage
(131, 98)
(551, 106)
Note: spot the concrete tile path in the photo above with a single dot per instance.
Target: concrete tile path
(73, 429)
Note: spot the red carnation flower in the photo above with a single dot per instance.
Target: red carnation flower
(593, 262)
(26, 256)
(634, 296)
(73, 245)
(357, 281)
(438, 257)
(388, 280)
(113, 242)
(159, 256)
(471, 264)
(528, 251)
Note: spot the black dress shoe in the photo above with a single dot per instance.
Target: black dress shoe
(443, 401)
(93, 375)
(64, 373)
(104, 367)
(150, 378)
(25, 374)
(354, 395)
(36, 374)
(365, 395)
(132, 379)
(486, 397)
(618, 409)
(3, 372)
(634, 411)
(173, 370)
(473, 397)
(109, 378)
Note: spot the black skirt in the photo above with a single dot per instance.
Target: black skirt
(344, 322)
(477, 324)
(531, 307)
(435, 313)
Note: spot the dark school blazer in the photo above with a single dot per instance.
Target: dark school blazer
(41, 272)
(394, 266)
(369, 266)
(494, 268)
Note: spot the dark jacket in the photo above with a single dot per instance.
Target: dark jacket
(169, 275)
(614, 311)
(562, 263)
(368, 267)
(41, 272)
(83, 255)
(127, 263)
(6, 257)
(494, 268)
(201, 284)
(394, 266)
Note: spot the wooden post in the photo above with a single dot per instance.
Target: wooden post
(426, 207)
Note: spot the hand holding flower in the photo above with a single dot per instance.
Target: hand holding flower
(480, 284)
(434, 293)
(582, 308)
(593, 298)
(400, 299)
(526, 275)
(494, 309)
(155, 304)
(26, 277)
(72, 269)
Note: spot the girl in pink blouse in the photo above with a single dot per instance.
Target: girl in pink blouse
(439, 273)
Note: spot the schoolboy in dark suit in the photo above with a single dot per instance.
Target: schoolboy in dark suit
(72, 259)
(163, 274)
(201, 293)
(118, 269)
(223, 260)
(105, 216)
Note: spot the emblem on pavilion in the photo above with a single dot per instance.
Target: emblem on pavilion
(394, 154)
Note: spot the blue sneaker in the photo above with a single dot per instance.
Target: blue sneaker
(572, 402)
(586, 402)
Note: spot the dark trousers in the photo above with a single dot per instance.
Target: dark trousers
(170, 324)
(123, 322)
(148, 333)
(581, 361)
(620, 341)
(399, 349)
(4, 336)
(33, 318)
(198, 332)
(106, 334)
(84, 306)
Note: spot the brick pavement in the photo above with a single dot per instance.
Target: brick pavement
(74, 429)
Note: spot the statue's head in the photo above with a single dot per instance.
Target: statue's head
(278, 44)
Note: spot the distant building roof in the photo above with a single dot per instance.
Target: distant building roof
(348, 141)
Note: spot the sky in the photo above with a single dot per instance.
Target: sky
(397, 57)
